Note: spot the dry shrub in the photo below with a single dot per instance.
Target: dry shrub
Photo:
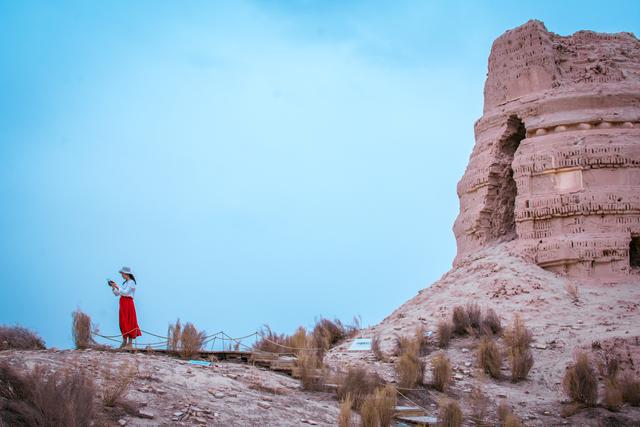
(299, 340)
(521, 363)
(357, 383)
(441, 371)
(409, 370)
(345, 417)
(19, 338)
(81, 329)
(460, 320)
(490, 323)
(449, 413)
(489, 357)
(518, 338)
(612, 399)
(580, 382)
(445, 329)
(328, 333)
(191, 340)
(517, 335)
(404, 345)
(40, 398)
(311, 371)
(421, 340)
(117, 382)
(185, 340)
(474, 314)
(174, 334)
(378, 408)
(572, 291)
(506, 416)
(377, 351)
(478, 406)
(630, 391)
(570, 409)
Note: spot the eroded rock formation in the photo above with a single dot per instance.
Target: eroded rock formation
(556, 163)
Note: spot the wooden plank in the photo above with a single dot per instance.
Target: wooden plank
(408, 411)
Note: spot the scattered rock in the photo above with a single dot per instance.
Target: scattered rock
(145, 413)
(264, 405)
(122, 422)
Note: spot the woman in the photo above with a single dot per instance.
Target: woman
(128, 319)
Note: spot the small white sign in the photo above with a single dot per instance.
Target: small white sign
(361, 344)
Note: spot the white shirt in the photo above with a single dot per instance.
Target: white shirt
(127, 289)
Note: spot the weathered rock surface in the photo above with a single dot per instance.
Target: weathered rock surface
(556, 164)
(170, 392)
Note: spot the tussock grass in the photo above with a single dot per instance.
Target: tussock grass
(42, 398)
(460, 320)
(185, 340)
(449, 413)
(490, 323)
(81, 330)
(376, 350)
(630, 391)
(19, 338)
(488, 357)
(378, 408)
(572, 290)
(441, 372)
(312, 376)
(506, 416)
(117, 383)
(612, 397)
(474, 314)
(580, 382)
(357, 383)
(445, 330)
(478, 404)
(518, 338)
(409, 370)
(345, 416)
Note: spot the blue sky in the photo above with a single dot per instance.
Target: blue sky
(253, 162)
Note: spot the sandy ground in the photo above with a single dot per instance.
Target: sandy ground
(175, 393)
(605, 321)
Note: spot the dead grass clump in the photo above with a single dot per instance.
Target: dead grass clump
(506, 416)
(191, 341)
(378, 408)
(185, 340)
(345, 417)
(19, 338)
(441, 371)
(460, 320)
(612, 398)
(81, 329)
(490, 323)
(478, 406)
(311, 371)
(409, 370)
(518, 339)
(404, 345)
(328, 333)
(174, 334)
(474, 314)
(449, 413)
(445, 329)
(40, 398)
(357, 383)
(630, 391)
(489, 357)
(580, 382)
(572, 291)
(421, 340)
(117, 382)
(377, 351)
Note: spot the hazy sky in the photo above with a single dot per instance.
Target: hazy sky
(253, 162)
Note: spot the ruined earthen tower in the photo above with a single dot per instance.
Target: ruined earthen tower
(556, 163)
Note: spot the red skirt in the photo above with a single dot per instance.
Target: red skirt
(128, 319)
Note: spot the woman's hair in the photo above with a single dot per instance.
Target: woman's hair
(131, 277)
